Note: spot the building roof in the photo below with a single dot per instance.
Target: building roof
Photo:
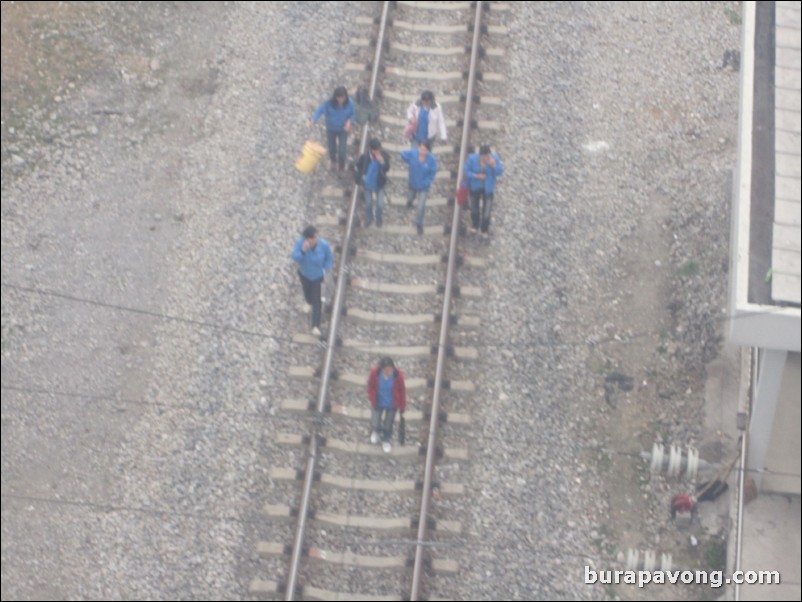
(765, 282)
(786, 285)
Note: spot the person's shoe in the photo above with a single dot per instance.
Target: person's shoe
(342, 172)
(420, 229)
(378, 222)
(316, 331)
(386, 447)
(485, 235)
(374, 437)
(368, 222)
(306, 308)
(409, 204)
(334, 166)
(472, 230)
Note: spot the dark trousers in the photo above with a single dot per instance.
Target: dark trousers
(312, 296)
(333, 137)
(481, 219)
(381, 419)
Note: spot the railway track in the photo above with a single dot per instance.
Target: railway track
(365, 524)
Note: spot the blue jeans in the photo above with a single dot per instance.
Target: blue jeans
(333, 137)
(481, 219)
(383, 424)
(422, 196)
(369, 195)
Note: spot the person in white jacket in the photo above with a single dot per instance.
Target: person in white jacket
(426, 120)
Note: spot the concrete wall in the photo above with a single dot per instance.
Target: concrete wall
(785, 452)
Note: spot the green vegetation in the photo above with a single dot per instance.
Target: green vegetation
(689, 268)
(716, 555)
(660, 429)
(605, 542)
(733, 15)
(662, 348)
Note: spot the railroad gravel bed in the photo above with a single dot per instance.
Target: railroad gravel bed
(412, 62)
(373, 237)
(368, 504)
(162, 180)
(587, 212)
(398, 334)
(391, 273)
(377, 302)
(380, 468)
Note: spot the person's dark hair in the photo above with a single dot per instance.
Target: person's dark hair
(339, 91)
(427, 95)
(426, 143)
(309, 231)
(374, 144)
(384, 362)
(484, 149)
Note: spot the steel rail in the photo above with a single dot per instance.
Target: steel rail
(342, 273)
(442, 346)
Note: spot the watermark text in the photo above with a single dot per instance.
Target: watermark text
(712, 578)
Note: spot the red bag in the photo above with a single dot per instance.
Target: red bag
(462, 193)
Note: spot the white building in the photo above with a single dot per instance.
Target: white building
(765, 286)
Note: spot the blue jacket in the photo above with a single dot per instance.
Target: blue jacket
(365, 163)
(491, 173)
(384, 399)
(371, 178)
(313, 264)
(336, 116)
(421, 175)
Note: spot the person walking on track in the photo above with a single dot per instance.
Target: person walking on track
(426, 120)
(340, 112)
(387, 394)
(314, 258)
(422, 170)
(371, 173)
(482, 169)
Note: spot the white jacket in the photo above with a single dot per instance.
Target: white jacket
(437, 121)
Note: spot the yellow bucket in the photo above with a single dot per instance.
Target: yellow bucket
(312, 154)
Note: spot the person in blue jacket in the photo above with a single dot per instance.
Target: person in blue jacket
(339, 111)
(482, 169)
(314, 258)
(371, 173)
(422, 169)
(426, 119)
